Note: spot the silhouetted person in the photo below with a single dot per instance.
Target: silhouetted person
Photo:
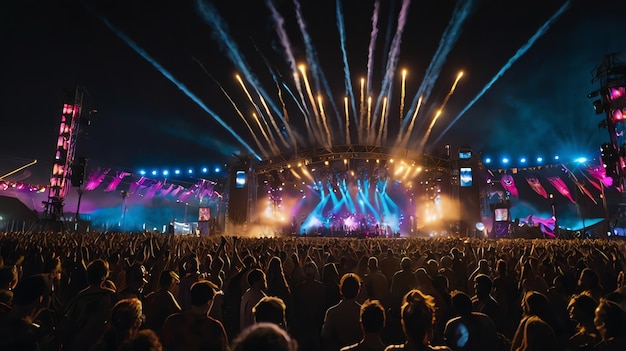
(372, 324)
(126, 319)
(589, 283)
(144, 340)
(86, 316)
(190, 275)
(389, 265)
(277, 283)
(309, 309)
(234, 287)
(264, 337)
(537, 336)
(375, 284)
(582, 309)
(403, 281)
(19, 330)
(330, 279)
(161, 304)
(194, 329)
(8, 281)
(470, 330)
(418, 312)
(258, 283)
(270, 309)
(341, 323)
(536, 304)
(610, 320)
(483, 302)
(136, 280)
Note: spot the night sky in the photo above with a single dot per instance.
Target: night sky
(538, 107)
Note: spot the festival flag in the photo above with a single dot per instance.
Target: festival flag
(167, 190)
(537, 187)
(135, 185)
(560, 185)
(509, 184)
(152, 190)
(177, 190)
(116, 181)
(206, 189)
(96, 178)
(599, 173)
(187, 194)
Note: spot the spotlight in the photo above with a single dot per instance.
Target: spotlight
(581, 160)
(217, 169)
(539, 159)
(204, 170)
(190, 171)
(487, 160)
(154, 173)
(166, 172)
(480, 226)
(523, 160)
(556, 157)
(142, 172)
(177, 172)
(505, 160)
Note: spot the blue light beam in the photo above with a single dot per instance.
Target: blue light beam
(521, 51)
(178, 84)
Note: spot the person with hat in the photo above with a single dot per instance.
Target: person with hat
(194, 329)
(162, 303)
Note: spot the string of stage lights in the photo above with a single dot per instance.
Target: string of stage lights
(507, 161)
(489, 161)
(217, 171)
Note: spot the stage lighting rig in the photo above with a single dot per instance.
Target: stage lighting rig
(611, 74)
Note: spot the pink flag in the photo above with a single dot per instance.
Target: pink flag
(599, 173)
(187, 194)
(116, 181)
(135, 185)
(177, 190)
(96, 178)
(153, 190)
(206, 189)
(167, 190)
(216, 195)
(560, 185)
(509, 184)
(536, 186)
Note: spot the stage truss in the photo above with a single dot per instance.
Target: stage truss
(354, 190)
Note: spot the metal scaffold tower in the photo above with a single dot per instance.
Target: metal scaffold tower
(64, 156)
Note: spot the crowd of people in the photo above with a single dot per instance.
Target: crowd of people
(148, 291)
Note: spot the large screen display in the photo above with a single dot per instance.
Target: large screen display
(502, 215)
(465, 154)
(204, 214)
(466, 176)
(240, 179)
